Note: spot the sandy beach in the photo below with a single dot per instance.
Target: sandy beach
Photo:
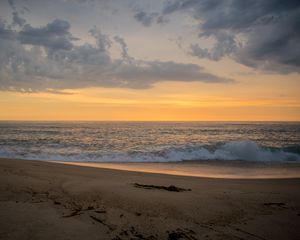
(209, 169)
(48, 200)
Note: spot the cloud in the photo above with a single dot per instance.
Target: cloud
(53, 36)
(225, 45)
(142, 74)
(45, 58)
(146, 18)
(260, 34)
(17, 20)
(124, 47)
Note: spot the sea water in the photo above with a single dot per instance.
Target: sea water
(150, 141)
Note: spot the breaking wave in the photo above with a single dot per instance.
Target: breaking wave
(233, 150)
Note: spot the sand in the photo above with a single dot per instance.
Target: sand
(47, 200)
(211, 169)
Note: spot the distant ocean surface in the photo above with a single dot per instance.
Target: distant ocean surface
(150, 141)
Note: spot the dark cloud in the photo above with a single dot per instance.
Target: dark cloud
(260, 34)
(124, 47)
(45, 58)
(146, 18)
(225, 45)
(17, 20)
(6, 32)
(53, 36)
(142, 74)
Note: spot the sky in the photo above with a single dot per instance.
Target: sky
(142, 60)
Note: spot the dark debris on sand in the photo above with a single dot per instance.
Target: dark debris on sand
(181, 234)
(278, 204)
(170, 188)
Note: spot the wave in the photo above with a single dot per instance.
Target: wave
(233, 150)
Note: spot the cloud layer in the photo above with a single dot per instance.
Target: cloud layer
(260, 34)
(47, 58)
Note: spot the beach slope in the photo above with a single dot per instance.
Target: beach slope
(44, 200)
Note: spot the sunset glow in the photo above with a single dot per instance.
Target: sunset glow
(122, 63)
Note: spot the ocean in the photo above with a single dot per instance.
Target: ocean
(150, 141)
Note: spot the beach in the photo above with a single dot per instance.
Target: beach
(48, 200)
(149, 120)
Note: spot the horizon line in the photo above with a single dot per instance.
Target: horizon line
(295, 121)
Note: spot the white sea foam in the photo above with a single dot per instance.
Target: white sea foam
(233, 150)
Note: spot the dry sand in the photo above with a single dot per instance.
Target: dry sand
(46, 200)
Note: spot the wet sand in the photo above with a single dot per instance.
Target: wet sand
(48, 200)
(209, 169)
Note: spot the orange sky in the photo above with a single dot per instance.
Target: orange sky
(116, 61)
(165, 102)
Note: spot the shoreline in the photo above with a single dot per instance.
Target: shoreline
(219, 169)
(206, 168)
(47, 200)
